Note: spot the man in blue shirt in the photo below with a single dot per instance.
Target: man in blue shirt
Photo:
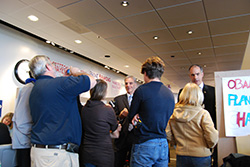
(151, 108)
(55, 115)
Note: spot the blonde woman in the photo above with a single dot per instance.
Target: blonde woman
(7, 120)
(191, 129)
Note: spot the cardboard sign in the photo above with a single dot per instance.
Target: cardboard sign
(236, 100)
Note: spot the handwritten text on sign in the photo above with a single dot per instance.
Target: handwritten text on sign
(236, 100)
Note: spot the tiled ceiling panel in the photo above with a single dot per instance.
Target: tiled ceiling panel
(183, 14)
(218, 42)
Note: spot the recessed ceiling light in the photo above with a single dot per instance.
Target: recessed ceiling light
(117, 71)
(190, 32)
(107, 56)
(107, 67)
(71, 52)
(205, 65)
(33, 18)
(155, 37)
(127, 66)
(125, 3)
(52, 43)
(78, 41)
(47, 41)
(199, 53)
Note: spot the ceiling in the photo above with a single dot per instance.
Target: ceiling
(220, 32)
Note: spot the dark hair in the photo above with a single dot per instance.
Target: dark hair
(196, 65)
(98, 92)
(154, 67)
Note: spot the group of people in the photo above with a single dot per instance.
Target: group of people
(141, 122)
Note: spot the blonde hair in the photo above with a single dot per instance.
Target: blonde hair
(9, 115)
(191, 95)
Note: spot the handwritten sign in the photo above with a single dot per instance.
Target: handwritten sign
(236, 100)
(115, 86)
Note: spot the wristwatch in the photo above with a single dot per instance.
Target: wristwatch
(21, 70)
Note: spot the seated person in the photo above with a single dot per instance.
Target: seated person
(5, 134)
(7, 120)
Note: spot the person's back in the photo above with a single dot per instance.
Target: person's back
(151, 107)
(155, 103)
(191, 129)
(56, 130)
(22, 123)
(54, 109)
(98, 120)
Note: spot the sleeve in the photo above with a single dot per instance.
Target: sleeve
(135, 104)
(76, 85)
(169, 132)
(112, 119)
(210, 133)
(22, 118)
(116, 108)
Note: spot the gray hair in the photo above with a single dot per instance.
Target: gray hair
(130, 76)
(37, 65)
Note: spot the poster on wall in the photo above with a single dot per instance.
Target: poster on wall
(236, 100)
(115, 85)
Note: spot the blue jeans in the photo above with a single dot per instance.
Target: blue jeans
(89, 165)
(153, 152)
(188, 161)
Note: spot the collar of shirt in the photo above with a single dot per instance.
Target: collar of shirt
(201, 85)
(128, 95)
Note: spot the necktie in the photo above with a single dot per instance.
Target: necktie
(129, 99)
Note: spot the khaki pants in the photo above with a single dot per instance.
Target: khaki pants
(43, 157)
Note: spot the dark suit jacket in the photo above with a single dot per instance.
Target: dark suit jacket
(4, 134)
(209, 101)
(124, 139)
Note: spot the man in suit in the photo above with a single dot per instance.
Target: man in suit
(122, 103)
(196, 75)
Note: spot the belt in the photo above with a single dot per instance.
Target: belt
(63, 146)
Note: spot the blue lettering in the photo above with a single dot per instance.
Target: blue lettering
(248, 118)
(232, 97)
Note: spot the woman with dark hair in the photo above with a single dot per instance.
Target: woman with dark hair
(98, 124)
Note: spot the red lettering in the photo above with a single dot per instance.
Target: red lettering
(238, 84)
(230, 81)
(241, 119)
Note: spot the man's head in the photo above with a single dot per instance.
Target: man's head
(196, 74)
(40, 65)
(130, 84)
(153, 68)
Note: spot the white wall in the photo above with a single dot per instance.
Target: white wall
(15, 46)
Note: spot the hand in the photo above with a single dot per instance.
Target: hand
(74, 71)
(119, 128)
(108, 105)
(124, 113)
(135, 119)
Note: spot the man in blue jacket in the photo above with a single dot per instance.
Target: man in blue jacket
(56, 130)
